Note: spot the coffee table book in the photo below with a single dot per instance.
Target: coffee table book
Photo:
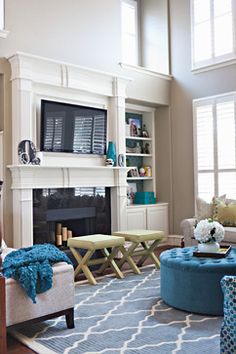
(222, 253)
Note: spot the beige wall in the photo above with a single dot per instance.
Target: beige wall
(185, 87)
(83, 32)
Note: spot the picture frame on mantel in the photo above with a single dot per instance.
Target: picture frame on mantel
(131, 190)
(135, 126)
(133, 172)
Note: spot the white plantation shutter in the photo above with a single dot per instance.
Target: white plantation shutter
(206, 185)
(83, 126)
(213, 26)
(54, 125)
(205, 148)
(90, 191)
(225, 115)
(215, 146)
(89, 133)
(99, 134)
(227, 184)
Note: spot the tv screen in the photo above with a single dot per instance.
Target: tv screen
(71, 128)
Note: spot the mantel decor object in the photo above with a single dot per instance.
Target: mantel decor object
(111, 154)
(27, 153)
(121, 160)
(209, 233)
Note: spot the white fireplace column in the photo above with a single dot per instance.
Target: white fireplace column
(117, 134)
(22, 103)
(23, 217)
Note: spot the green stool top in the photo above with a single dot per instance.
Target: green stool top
(140, 235)
(95, 242)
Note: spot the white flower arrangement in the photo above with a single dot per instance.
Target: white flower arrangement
(209, 231)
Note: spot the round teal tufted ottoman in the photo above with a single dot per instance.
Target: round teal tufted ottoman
(192, 283)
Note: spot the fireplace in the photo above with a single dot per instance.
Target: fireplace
(64, 212)
(35, 79)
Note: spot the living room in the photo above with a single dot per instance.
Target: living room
(80, 53)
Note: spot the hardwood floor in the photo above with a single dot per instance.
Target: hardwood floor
(15, 347)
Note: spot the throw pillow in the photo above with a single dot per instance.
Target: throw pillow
(230, 201)
(226, 214)
(216, 201)
(204, 209)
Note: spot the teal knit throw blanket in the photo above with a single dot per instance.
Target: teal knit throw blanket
(32, 267)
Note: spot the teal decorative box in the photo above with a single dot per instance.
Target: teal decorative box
(144, 198)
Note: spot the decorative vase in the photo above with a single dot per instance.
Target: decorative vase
(111, 152)
(209, 247)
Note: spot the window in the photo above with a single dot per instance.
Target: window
(213, 27)
(215, 146)
(1, 15)
(129, 32)
(3, 32)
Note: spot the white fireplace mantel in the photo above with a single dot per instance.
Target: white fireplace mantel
(35, 78)
(33, 176)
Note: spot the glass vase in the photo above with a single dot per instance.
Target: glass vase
(111, 152)
(209, 247)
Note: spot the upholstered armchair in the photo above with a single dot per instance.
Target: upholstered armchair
(57, 301)
(228, 334)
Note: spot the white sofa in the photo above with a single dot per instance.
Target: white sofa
(57, 301)
(187, 227)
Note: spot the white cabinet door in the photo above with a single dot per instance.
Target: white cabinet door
(136, 218)
(157, 218)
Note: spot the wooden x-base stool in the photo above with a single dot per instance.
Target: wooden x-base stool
(92, 243)
(137, 238)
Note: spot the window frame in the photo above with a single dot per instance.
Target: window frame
(3, 32)
(137, 36)
(215, 61)
(213, 100)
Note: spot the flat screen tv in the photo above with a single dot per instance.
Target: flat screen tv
(72, 128)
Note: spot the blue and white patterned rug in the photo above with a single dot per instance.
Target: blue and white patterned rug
(124, 316)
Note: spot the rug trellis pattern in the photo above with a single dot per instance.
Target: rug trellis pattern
(125, 316)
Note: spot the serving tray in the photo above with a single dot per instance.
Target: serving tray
(222, 253)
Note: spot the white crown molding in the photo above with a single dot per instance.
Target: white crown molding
(61, 74)
(146, 71)
(204, 68)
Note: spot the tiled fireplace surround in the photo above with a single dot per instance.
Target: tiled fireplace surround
(34, 78)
